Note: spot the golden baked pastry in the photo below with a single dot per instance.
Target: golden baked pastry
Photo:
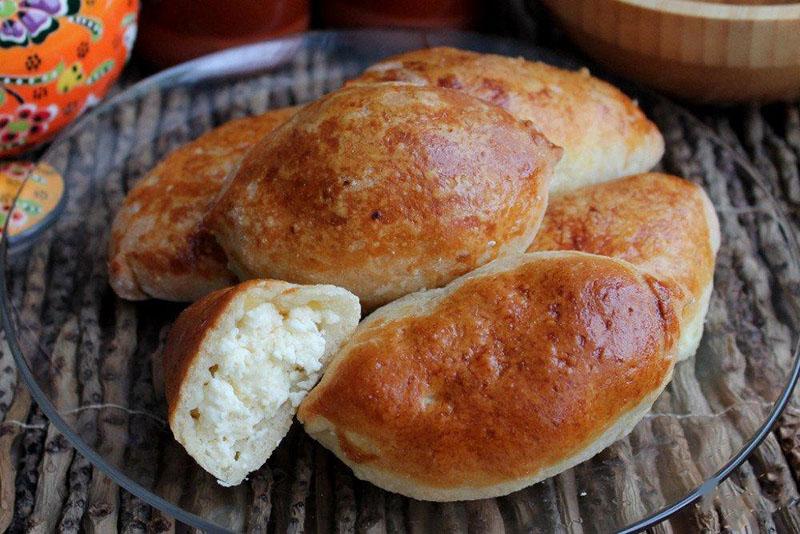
(603, 132)
(238, 362)
(663, 224)
(385, 189)
(506, 376)
(157, 247)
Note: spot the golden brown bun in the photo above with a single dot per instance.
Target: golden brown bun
(663, 224)
(508, 375)
(238, 362)
(158, 248)
(603, 132)
(385, 189)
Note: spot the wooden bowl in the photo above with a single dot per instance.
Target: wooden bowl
(708, 52)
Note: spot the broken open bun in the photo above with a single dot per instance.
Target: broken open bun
(238, 362)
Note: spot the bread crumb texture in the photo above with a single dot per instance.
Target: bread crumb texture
(255, 368)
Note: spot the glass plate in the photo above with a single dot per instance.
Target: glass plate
(88, 356)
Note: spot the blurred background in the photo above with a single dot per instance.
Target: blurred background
(60, 57)
(172, 31)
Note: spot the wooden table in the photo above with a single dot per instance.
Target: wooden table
(769, 137)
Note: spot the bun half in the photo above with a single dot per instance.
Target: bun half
(238, 362)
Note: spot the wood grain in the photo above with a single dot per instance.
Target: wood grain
(701, 51)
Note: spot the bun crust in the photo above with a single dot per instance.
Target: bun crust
(663, 224)
(508, 375)
(158, 248)
(603, 132)
(385, 189)
(185, 338)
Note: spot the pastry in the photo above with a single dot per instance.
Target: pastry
(385, 189)
(158, 248)
(511, 374)
(664, 225)
(238, 362)
(604, 134)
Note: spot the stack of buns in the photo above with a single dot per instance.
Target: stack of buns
(530, 288)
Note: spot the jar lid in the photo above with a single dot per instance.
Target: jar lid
(38, 189)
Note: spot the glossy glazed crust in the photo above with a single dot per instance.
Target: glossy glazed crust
(511, 373)
(383, 190)
(603, 132)
(158, 248)
(663, 224)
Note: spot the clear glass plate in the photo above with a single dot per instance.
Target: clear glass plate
(87, 356)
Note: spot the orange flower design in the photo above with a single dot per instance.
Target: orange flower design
(57, 58)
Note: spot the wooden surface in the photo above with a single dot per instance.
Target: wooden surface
(55, 488)
(698, 50)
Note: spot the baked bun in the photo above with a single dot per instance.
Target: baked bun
(603, 132)
(239, 361)
(385, 189)
(508, 375)
(158, 248)
(662, 224)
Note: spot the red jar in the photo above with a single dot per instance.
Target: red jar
(457, 14)
(172, 31)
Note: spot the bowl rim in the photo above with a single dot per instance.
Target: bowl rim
(719, 11)
(218, 63)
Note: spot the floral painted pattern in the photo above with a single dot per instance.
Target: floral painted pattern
(28, 121)
(18, 218)
(31, 21)
(29, 193)
(57, 58)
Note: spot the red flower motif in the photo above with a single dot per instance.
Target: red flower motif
(28, 121)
